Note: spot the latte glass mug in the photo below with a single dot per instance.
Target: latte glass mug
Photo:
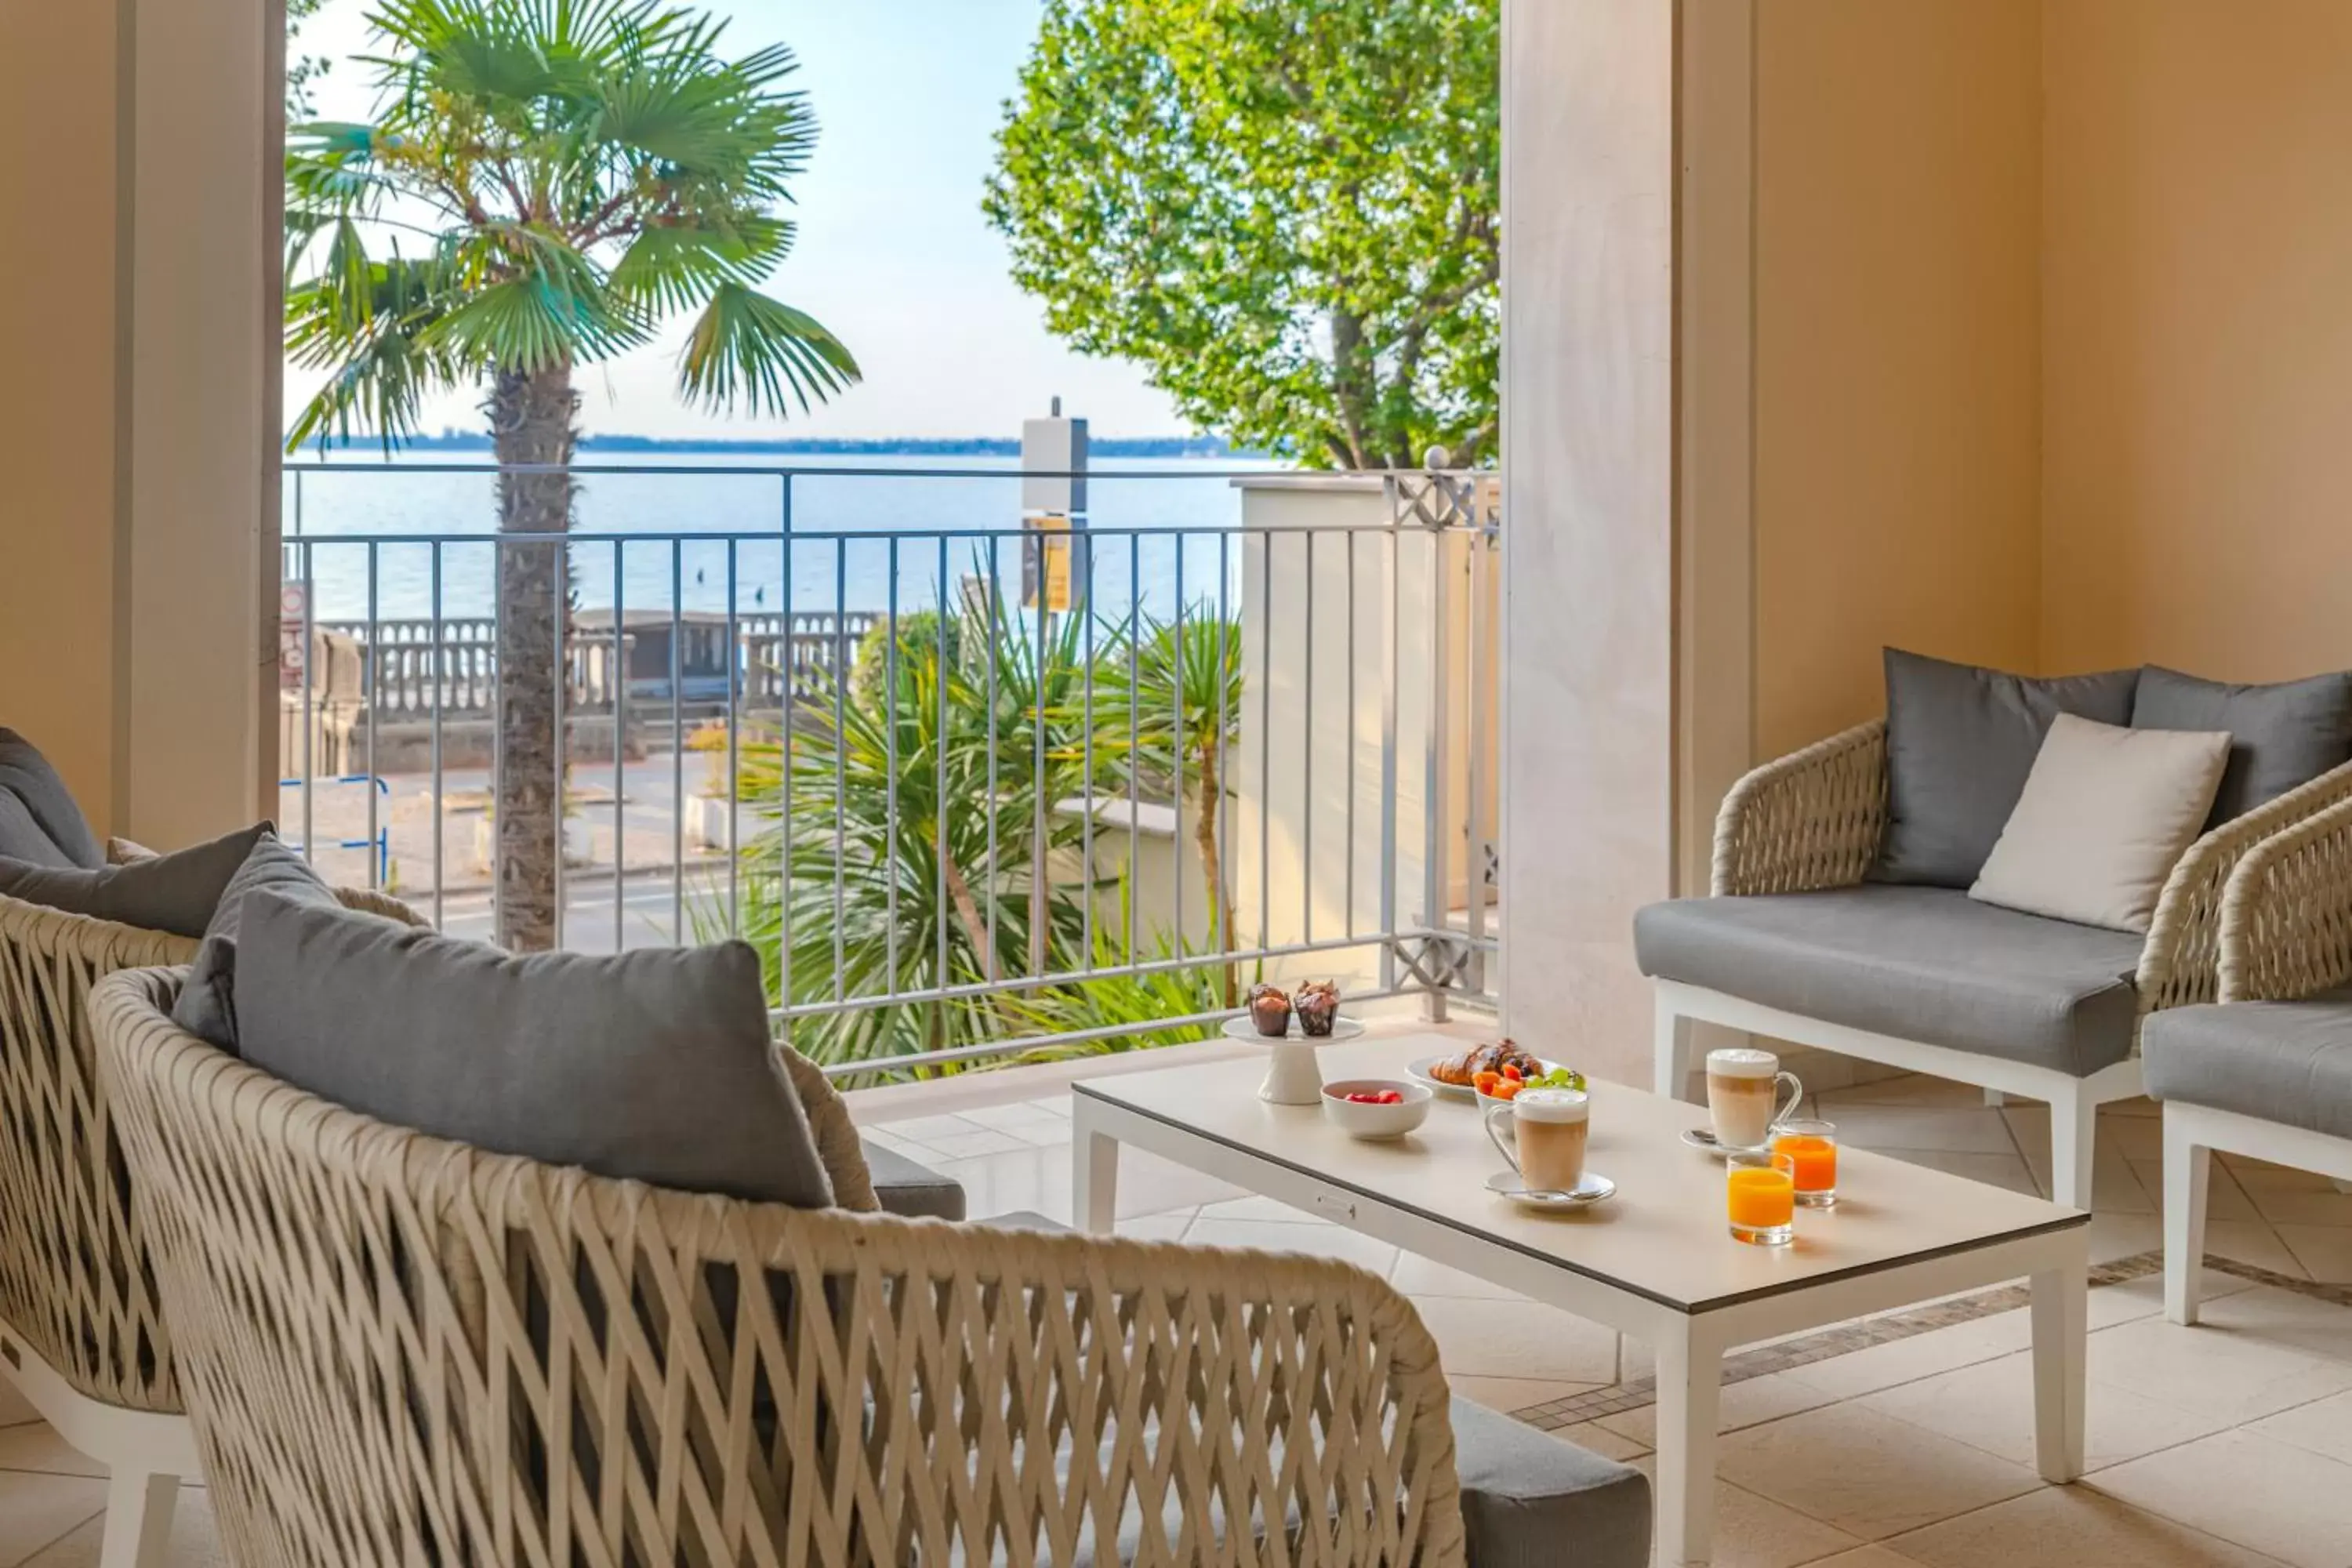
(1549, 1129)
(1743, 1095)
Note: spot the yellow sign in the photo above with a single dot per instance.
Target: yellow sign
(1045, 556)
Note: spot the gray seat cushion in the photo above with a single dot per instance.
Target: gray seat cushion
(913, 1191)
(206, 1007)
(1533, 1500)
(1930, 964)
(1960, 741)
(655, 1066)
(178, 892)
(38, 819)
(2289, 1062)
(2280, 736)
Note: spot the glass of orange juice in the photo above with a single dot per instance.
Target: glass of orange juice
(1761, 1196)
(1812, 1145)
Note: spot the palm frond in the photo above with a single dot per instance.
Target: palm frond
(677, 268)
(592, 166)
(749, 350)
(366, 319)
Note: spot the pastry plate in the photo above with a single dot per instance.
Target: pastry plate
(1419, 1072)
(1342, 1028)
(1591, 1188)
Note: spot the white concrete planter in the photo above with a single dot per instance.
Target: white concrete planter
(706, 821)
(579, 844)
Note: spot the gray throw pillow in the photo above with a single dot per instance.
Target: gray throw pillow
(207, 1003)
(2280, 736)
(48, 828)
(656, 1065)
(176, 892)
(1960, 741)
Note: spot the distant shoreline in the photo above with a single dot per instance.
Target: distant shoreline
(910, 447)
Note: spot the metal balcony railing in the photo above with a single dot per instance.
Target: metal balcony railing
(976, 788)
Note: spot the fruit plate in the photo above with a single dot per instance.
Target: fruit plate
(1342, 1028)
(1419, 1072)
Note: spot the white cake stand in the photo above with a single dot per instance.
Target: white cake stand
(1292, 1074)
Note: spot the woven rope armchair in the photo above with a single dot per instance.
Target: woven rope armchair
(2271, 1082)
(401, 1351)
(1812, 821)
(81, 1327)
(2286, 914)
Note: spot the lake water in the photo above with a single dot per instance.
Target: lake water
(372, 538)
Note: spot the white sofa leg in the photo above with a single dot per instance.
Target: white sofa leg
(138, 1519)
(1673, 1052)
(1994, 1100)
(2188, 1170)
(2073, 1131)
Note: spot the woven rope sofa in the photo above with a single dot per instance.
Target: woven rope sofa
(401, 1350)
(2267, 1072)
(1998, 999)
(81, 1328)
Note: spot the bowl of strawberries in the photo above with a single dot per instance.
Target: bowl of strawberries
(1375, 1108)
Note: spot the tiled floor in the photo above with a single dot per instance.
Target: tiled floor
(2229, 1444)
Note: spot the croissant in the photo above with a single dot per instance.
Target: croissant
(1490, 1057)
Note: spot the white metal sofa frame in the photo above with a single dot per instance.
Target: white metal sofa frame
(1813, 820)
(2286, 935)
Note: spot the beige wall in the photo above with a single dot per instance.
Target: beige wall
(2197, 486)
(1896, 414)
(57, 487)
(138, 479)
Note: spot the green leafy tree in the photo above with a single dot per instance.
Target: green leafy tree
(1287, 211)
(550, 181)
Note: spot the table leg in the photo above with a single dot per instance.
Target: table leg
(1690, 1398)
(1093, 1198)
(2060, 1297)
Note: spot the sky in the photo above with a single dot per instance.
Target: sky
(893, 253)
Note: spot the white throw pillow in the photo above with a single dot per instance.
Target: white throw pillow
(2105, 815)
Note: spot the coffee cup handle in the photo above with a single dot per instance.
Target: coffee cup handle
(1796, 1096)
(1495, 1138)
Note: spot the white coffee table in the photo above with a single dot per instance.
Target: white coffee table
(1655, 1261)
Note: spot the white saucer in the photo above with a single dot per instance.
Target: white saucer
(1700, 1138)
(1342, 1028)
(1591, 1188)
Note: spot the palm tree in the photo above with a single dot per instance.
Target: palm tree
(567, 174)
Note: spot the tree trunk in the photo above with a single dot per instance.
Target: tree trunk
(1352, 388)
(967, 909)
(530, 422)
(1212, 864)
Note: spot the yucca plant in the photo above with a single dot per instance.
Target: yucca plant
(546, 182)
(860, 884)
(1132, 1005)
(1167, 715)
